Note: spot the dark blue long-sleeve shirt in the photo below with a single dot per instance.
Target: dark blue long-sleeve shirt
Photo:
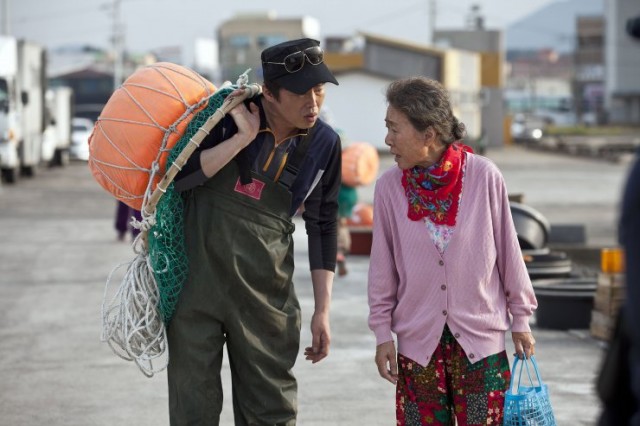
(316, 185)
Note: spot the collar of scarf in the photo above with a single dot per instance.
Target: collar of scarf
(434, 191)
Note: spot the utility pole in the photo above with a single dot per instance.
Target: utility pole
(6, 30)
(475, 19)
(118, 44)
(432, 20)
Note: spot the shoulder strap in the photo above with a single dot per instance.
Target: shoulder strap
(292, 168)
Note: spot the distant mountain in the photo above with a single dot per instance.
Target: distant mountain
(552, 26)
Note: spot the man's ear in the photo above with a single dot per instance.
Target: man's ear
(266, 93)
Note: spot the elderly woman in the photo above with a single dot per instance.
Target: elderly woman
(446, 275)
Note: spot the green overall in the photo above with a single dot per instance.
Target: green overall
(239, 292)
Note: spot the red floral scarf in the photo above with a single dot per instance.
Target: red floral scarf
(434, 191)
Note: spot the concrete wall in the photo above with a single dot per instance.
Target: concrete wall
(398, 62)
(476, 41)
(462, 79)
(622, 63)
(358, 107)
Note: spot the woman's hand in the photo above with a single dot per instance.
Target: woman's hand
(524, 344)
(387, 362)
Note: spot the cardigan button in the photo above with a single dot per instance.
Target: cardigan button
(441, 262)
(443, 287)
(444, 312)
(472, 356)
(457, 335)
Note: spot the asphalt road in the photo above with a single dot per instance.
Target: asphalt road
(59, 245)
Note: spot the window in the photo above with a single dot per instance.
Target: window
(267, 40)
(240, 41)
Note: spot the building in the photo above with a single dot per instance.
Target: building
(588, 84)
(242, 39)
(90, 73)
(92, 88)
(364, 65)
(539, 83)
(489, 45)
(370, 62)
(622, 63)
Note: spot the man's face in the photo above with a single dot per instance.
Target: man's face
(300, 111)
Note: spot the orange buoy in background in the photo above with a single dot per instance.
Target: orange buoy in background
(362, 215)
(360, 163)
(360, 229)
(139, 125)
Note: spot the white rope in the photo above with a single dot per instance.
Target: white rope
(131, 322)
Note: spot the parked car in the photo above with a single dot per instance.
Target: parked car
(527, 129)
(81, 129)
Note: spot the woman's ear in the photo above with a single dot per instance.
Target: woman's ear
(429, 135)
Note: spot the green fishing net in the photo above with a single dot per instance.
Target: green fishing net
(166, 238)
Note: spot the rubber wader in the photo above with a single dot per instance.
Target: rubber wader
(239, 292)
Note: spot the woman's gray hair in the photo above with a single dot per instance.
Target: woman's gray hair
(426, 104)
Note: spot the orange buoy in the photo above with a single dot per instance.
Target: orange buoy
(139, 125)
(362, 215)
(360, 162)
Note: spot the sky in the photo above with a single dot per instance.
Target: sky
(151, 24)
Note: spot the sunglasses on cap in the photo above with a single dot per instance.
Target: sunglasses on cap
(295, 61)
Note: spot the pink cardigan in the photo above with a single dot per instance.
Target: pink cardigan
(473, 287)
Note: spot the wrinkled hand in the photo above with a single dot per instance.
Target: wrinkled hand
(387, 362)
(524, 344)
(248, 121)
(321, 338)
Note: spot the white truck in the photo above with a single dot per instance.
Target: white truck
(56, 140)
(22, 90)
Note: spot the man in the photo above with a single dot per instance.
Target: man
(618, 383)
(630, 240)
(241, 189)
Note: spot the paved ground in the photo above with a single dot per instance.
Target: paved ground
(58, 246)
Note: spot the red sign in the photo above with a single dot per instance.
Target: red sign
(253, 189)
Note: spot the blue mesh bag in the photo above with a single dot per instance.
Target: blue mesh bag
(527, 405)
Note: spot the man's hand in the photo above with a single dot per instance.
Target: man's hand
(387, 362)
(248, 122)
(321, 338)
(524, 344)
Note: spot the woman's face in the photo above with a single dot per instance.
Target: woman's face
(408, 145)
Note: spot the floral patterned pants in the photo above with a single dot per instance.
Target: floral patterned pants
(450, 388)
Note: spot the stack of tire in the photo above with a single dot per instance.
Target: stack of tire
(565, 300)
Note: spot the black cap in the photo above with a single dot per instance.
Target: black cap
(299, 82)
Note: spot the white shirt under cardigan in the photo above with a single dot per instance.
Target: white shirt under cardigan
(479, 286)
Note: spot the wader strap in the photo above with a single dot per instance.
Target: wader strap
(244, 167)
(292, 168)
